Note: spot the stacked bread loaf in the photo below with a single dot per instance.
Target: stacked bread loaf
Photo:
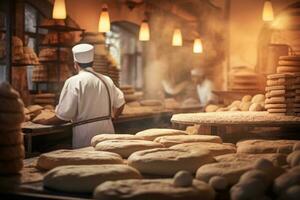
(288, 64)
(297, 94)
(55, 38)
(280, 94)
(29, 56)
(11, 143)
(243, 78)
(17, 49)
(130, 94)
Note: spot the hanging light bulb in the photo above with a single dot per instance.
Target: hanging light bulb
(177, 38)
(268, 14)
(197, 48)
(104, 21)
(144, 34)
(59, 10)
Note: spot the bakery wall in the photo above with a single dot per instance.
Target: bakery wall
(245, 26)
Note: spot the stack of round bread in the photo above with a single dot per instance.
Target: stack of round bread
(281, 94)
(101, 64)
(247, 103)
(288, 64)
(243, 78)
(11, 143)
(297, 94)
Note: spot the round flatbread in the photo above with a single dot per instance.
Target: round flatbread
(276, 106)
(265, 146)
(279, 87)
(7, 91)
(11, 138)
(157, 189)
(288, 63)
(76, 157)
(11, 166)
(126, 147)
(85, 178)
(151, 134)
(103, 137)
(290, 58)
(169, 141)
(287, 69)
(167, 162)
(8, 105)
(277, 110)
(229, 170)
(214, 149)
(278, 159)
(279, 76)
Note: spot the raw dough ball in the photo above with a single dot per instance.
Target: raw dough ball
(183, 179)
(256, 107)
(255, 174)
(211, 108)
(246, 98)
(263, 164)
(236, 103)
(245, 106)
(248, 189)
(296, 146)
(218, 182)
(286, 180)
(234, 108)
(258, 98)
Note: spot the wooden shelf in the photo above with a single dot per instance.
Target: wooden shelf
(60, 28)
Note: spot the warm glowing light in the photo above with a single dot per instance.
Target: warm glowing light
(144, 34)
(177, 38)
(104, 21)
(59, 10)
(197, 48)
(268, 14)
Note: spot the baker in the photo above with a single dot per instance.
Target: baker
(204, 87)
(89, 100)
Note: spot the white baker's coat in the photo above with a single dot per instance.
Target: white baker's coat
(204, 91)
(84, 97)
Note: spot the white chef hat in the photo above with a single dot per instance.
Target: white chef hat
(83, 54)
(197, 72)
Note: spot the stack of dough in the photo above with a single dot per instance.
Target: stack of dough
(11, 143)
(281, 94)
(130, 94)
(297, 94)
(288, 64)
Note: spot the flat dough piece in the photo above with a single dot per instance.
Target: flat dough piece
(278, 87)
(280, 81)
(277, 110)
(151, 134)
(11, 137)
(8, 105)
(229, 170)
(76, 157)
(214, 149)
(285, 95)
(273, 100)
(168, 141)
(12, 152)
(103, 137)
(167, 162)
(11, 166)
(265, 146)
(85, 178)
(156, 189)
(278, 159)
(276, 106)
(126, 147)
(278, 76)
(44, 115)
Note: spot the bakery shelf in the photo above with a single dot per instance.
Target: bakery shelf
(61, 45)
(23, 64)
(59, 28)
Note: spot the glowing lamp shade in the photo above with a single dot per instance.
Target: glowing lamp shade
(197, 48)
(177, 38)
(104, 21)
(268, 14)
(59, 10)
(144, 34)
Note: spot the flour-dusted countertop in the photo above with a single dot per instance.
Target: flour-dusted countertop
(236, 118)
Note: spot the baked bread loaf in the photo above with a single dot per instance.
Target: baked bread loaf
(158, 189)
(151, 134)
(103, 137)
(168, 141)
(166, 162)
(214, 149)
(76, 157)
(85, 178)
(126, 147)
